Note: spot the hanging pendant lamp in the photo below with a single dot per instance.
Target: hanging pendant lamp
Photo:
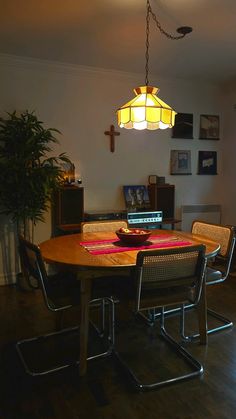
(146, 110)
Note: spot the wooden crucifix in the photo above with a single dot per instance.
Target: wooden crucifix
(112, 133)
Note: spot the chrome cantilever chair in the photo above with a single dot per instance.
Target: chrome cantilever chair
(109, 274)
(217, 270)
(105, 277)
(60, 292)
(106, 281)
(166, 278)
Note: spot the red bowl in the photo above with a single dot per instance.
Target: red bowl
(132, 237)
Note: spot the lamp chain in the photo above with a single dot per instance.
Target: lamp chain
(147, 41)
(168, 35)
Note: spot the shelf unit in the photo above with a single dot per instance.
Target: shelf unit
(67, 209)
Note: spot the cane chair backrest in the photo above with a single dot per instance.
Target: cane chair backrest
(28, 274)
(91, 227)
(34, 267)
(223, 235)
(31, 259)
(169, 276)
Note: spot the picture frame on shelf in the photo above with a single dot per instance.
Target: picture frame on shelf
(183, 127)
(152, 179)
(209, 127)
(180, 162)
(136, 197)
(68, 170)
(207, 162)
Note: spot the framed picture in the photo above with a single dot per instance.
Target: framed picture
(209, 127)
(68, 172)
(152, 179)
(180, 162)
(136, 197)
(183, 127)
(207, 163)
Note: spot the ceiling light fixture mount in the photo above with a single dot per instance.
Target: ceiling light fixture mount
(146, 110)
(184, 30)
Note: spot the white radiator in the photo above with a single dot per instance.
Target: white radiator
(205, 212)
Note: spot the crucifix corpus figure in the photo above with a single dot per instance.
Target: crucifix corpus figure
(112, 133)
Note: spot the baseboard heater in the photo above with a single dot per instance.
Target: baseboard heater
(205, 212)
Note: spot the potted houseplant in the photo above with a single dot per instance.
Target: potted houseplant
(28, 172)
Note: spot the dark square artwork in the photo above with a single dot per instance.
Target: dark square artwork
(207, 163)
(183, 127)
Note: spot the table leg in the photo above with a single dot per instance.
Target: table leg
(202, 315)
(84, 323)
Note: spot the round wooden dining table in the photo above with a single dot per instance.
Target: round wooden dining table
(68, 251)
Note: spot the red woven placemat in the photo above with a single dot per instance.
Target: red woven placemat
(102, 247)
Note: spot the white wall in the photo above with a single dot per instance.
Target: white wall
(81, 103)
(229, 153)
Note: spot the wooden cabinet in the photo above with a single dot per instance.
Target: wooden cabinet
(162, 197)
(67, 209)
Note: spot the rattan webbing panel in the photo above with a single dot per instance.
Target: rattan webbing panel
(169, 267)
(103, 226)
(215, 232)
(170, 276)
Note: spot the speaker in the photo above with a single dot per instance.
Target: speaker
(68, 206)
(162, 198)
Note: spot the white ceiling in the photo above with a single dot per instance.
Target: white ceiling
(111, 34)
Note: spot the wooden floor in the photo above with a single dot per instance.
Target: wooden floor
(106, 393)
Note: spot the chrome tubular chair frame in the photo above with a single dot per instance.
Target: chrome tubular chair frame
(106, 276)
(190, 360)
(34, 372)
(173, 276)
(34, 266)
(226, 237)
(218, 271)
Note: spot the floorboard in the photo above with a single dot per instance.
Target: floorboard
(106, 392)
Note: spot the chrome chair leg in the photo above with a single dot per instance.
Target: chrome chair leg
(190, 360)
(111, 317)
(38, 338)
(111, 336)
(227, 323)
(111, 321)
(96, 302)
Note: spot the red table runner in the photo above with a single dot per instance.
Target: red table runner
(101, 247)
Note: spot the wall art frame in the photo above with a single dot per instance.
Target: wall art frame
(136, 197)
(183, 127)
(180, 162)
(207, 162)
(209, 127)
